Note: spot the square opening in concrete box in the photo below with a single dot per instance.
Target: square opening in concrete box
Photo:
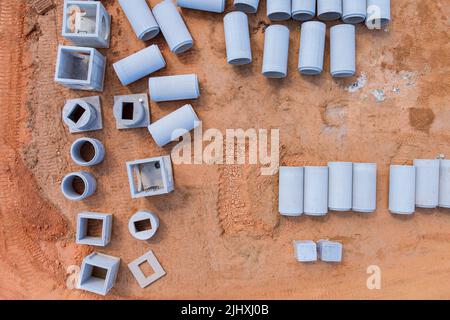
(98, 273)
(80, 68)
(150, 177)
(86, 23)
(94, 229)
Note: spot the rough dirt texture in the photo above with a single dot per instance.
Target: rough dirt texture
(220, 234)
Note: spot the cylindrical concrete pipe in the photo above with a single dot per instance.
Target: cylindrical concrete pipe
(402, 189)
(276, 51)
(427, 183)
(82, 180)
(173, 27)
(312, 47)
(364, 187)
(303, 10)
(316, 191)
(87, 118)
(328, 10)
(340, 185)
(343, 50)
(354, 11)
(247, 6)
(378, 13)
(279, 10)
(171, 88)
(444, 184)
(143, 225)
(174, 125)
(139, 65)
(141, 18)
(237, 38)
(87, 152)
(290, 199)
(217, 6)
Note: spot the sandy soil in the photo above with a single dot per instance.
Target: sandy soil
(220, 234)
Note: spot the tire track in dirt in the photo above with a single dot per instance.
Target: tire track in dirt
(25, 215)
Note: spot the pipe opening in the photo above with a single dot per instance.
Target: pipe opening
(244, 8)
(329, 16)
(77, 186)
(354, 19)
(302, 16)
(76, 114)
(149, 34)
(87, 151)
(278, 16)
(143, 225)
(240, 61)
(127, 110)
(183, 47)
(274, 74)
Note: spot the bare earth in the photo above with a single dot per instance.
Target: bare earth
(220, 234)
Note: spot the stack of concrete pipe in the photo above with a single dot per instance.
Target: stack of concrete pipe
(312, 43)
(425, 184)
(340, 186)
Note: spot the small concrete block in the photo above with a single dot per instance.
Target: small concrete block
(305, 251)
(132, 111)
(150, 177)
(143, 225)
(329, 251)
(143, 279)
(98, 234)
(98, 273)
(83, 114)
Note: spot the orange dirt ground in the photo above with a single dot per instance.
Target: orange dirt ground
(220, 233)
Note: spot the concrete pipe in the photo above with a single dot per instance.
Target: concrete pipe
(312, 47)
(402, 189)
(279, 10)
(217, 6)
(343, 50)
(290, 200)
(354, 11)
(143, 225)
(378, 13)
(172, 88)
(340, 185)
(303, 10)
(237, 38)
(78, 186)
(329, 10)
(87, 152)
(364, 187)
(276, 51)
(427, 183)
(79, 115)
(444, 184)
(139, 65)
(173, 27)
(174, 125)
(141, 18)
(316, 191)
(247, 6)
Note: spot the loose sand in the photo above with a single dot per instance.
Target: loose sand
(220, 234)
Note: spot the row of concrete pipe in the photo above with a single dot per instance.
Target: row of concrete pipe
(346, 186)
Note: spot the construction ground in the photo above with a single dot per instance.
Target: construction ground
(221, 235)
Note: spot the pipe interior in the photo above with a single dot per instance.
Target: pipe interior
(244, 8)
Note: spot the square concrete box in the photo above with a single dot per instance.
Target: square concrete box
(80, 68)
(83, 114)
(140, 266)
(94, 229)
(329, 251)
(98, 273)
(305, 251)
(86, 24)
(150, 177)
(132, 111)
